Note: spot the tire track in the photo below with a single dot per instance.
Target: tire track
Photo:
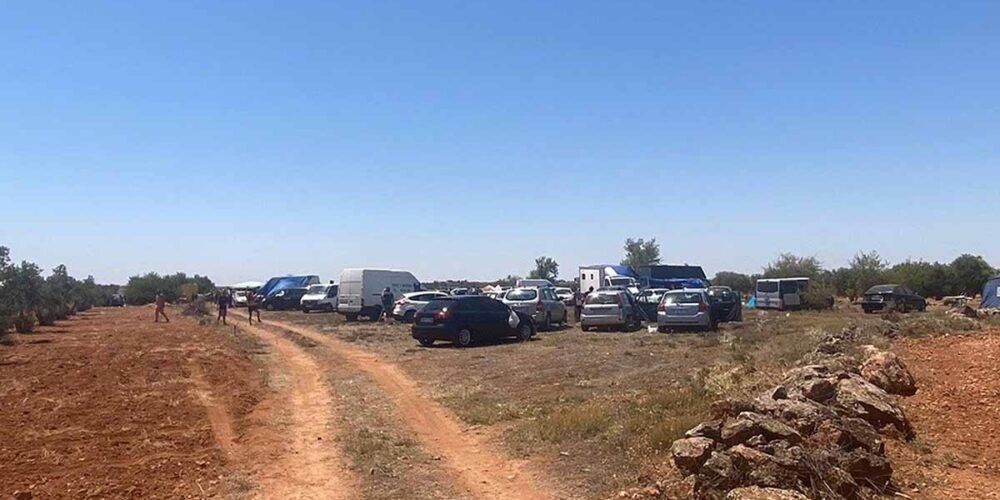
(311, 467)
(479, 470)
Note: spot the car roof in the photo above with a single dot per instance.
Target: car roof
(411, 294)
(688, 290)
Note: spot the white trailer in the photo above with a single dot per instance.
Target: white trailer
(605, 275)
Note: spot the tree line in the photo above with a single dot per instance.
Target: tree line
(29, 299)
(965, 275)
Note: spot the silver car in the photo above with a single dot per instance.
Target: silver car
(540, 303)
(609, 308)
(684, 308)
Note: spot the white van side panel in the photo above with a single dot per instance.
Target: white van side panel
(362, 288)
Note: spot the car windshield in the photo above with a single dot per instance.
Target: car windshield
(438, 304)
(682, 298)
(767, 286)
(721, 295)
(602, 298)
(523, 294)
(620, 281)
(881, 289)
(564, 291)
(317, 289)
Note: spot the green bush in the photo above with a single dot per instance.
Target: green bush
(818, 297)
(24, 323)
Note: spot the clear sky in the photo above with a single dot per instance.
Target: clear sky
(463, 139)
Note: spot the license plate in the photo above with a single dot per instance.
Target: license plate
(426, 321)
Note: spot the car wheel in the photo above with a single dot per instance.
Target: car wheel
(305, 310)
(408, 317)
(524, 332)
(376, 315)
(464, 338)
(662, 329)
(351, 317)
(269, 307)
(426, 342)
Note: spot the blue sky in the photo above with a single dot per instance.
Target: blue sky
(464, 139)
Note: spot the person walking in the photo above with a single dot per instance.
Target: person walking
(223, 300)
(387, 300)
(578, 302)
(253, 306)
(161, 304)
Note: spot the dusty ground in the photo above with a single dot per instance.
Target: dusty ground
(957, 416)
(597, 410)
(109, 404)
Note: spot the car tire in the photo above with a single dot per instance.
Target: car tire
(662, 329)
(408, 316)
(351, 317)
(269, 307)
(426, 342)
(305, 310)
(376, 315)
(463, 338)
(524, 332)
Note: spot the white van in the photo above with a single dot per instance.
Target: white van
(360, 292)
(532, 283)
(320, 298)
(780, 293)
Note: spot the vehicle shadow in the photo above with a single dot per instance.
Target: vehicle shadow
(444, 344)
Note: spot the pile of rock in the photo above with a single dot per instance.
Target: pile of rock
(817, 433)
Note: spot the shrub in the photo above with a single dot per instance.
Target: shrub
(24, 323)
(818, 297)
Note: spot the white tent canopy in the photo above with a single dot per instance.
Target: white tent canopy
(246, 285)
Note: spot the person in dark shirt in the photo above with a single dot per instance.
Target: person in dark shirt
(387, 300)
(223, 300)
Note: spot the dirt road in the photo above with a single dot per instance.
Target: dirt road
(482, 470)
(311, 465)
(956, 412)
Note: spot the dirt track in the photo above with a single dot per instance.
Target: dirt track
(483, 471)
(311, 466)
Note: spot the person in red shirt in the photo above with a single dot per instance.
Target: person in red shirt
(161, 303)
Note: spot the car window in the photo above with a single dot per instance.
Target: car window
(789, 286)
(682, 298)
(767, 286)
(523, 294)
(602, 298)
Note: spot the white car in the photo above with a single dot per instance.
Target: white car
(240, 298)
(566, 295)
(320, 298)
(412, 303)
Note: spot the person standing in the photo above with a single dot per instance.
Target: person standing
(253, 306)
(387, 300)
(223, 300)
(161, 304)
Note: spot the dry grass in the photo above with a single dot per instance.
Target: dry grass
(602, 409)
